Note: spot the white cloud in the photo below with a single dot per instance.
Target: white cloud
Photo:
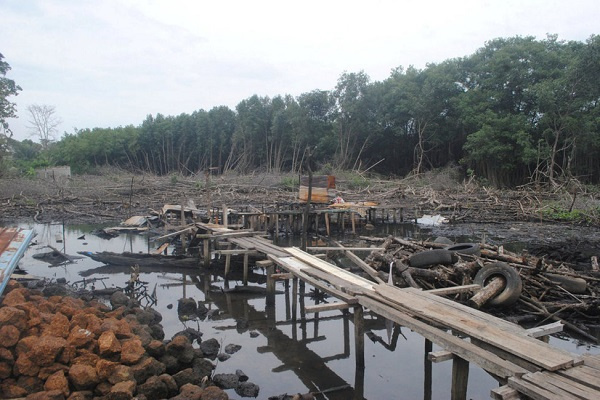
(112, 62)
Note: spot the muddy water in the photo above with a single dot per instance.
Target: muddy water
(280, 354)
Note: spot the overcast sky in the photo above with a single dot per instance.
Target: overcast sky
(109, 63)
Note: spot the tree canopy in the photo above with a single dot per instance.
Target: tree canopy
(517, 110)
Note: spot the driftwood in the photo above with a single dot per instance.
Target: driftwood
(488, 292)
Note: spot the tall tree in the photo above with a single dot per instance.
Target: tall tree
(8, 88)
(43, 123)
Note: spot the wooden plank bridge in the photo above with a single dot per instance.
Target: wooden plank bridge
(525, 366)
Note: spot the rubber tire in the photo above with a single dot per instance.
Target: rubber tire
(443, 240)
(428, 258)
(512, 290)
(569, 283)
(465, 248)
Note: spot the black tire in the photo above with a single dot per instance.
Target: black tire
(512, 290)
(569, 283)
(465, 248)
(428, 258)
(443, 240)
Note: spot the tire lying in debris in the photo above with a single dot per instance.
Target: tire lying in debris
(512, 290)
(428, 258)
(465, 248)
(569, 283)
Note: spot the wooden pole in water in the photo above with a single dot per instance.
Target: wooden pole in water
(206, 253)
(359, 337)
(294, 298)
(270, 300)
(427, 384)
(460, 378)
(245, 281)
(308, 200)
(327, 223)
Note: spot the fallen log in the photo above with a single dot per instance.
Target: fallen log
(489, 291)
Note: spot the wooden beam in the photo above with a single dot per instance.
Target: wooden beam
(440, 356)
(282, 276)
(545, 329)
(454, 290)
(327, 307)
(460, 379)
(324, 248)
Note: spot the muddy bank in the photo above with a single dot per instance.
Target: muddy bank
(54, 346)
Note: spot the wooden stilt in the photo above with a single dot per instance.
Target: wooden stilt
(327, 224)
(294, 298)
(460, 378)
(427, 384)
(353, 219)
(245, 281)
(359, 337)
(206, 253)
(225, 219)
(270, 286)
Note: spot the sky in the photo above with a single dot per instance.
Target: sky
(110, 63)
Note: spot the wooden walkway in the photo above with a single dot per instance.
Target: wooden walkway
(524, 365)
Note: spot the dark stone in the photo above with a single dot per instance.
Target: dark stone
(191, 334)
(241, 375)
(171, 364)
(189, 392)
(247, 389)
(202, 310)
(154, 389)
(223, 357)
(171, 384)
(214, 393)
(254, 334)
(146, 368)
(118, 299)
(202, 366)
(226, 381)
(232, 348)
(188, 376)
(242, 325)
(62, 281)
(187, 307)
(157, 331)
(55, 290)
(210, 347)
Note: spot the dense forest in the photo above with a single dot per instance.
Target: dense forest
(518, 110)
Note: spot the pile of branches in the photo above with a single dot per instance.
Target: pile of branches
(551, 290)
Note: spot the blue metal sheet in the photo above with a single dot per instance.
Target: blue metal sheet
(13, 243)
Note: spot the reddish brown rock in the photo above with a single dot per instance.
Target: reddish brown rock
(47, 395)
(70, 306)
(45, 372)
(58, 381)
(13, 316)
(119, 327)
(15, 297)
(108, 344)
(132, 351)
(146, 368)
(6, 355)
(59, 326)
(86, 357)
(46, 350)
(121, 373)
(10, 390)
(31, 384)
(214, 393)
(104, 368)
(81, 395)
(5, 370)
(156, 348)
(189, 392)
(33, 313)
(67, 355)
(25, 366)
(11, 285)
(9, 335)
(80, 337)
(83, 376)
(89, 321)
(26, 344)
(122, 390)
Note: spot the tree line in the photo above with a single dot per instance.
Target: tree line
(518, 110)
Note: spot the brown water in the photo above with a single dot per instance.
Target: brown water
(279, 353)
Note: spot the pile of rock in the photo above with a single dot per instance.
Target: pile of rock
(61, 347)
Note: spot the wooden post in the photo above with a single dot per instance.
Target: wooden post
(276, 230)
(359, 337)
(206, 253)
(245, 281)
(427, 384)
(460, 378)
(327, 223)
(270, 300)
(294, 298)
(353, 218)
(225, 221)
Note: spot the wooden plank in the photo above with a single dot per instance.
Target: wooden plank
(592, 361)
(300, 273)
(584, 375)
(324, 248)
(161, 248)
(326, 307)
(366, 267)
(505, 393)
(482, 328)
(464, 349)
(542, 381)
(235, 251)
(531, 390)
(575, 388)
(454, 290)
(329, 268)
(440, 356)
(545, 329)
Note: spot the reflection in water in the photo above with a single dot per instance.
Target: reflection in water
(284, 348)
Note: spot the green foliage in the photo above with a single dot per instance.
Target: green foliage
(8, 88)
(559, 213)
(290, 183)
